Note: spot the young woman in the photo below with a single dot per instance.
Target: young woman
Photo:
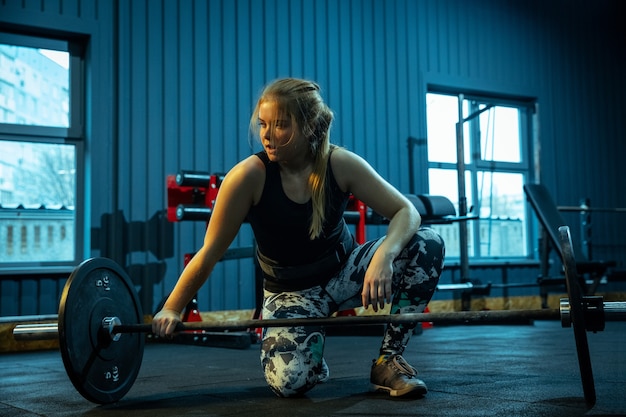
(293, 194)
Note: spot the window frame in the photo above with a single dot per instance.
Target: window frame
(471, 167)
(73, 134)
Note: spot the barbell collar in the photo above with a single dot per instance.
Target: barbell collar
(109, 324)
(611, 311)
(566, 314)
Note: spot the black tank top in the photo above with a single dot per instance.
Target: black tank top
(281, 226)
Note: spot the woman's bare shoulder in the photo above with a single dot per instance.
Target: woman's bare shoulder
(251, 165)
(248, 174)
(347, 167)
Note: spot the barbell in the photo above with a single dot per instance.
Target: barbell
(100, 326)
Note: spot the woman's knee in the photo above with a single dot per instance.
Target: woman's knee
(429, 249)
(421, 262)
(291, 364)
(431, 241)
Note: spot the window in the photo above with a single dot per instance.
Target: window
(496, 143)
(41, 148)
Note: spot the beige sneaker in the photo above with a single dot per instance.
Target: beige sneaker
(396, 376)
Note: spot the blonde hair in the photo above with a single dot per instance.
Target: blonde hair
(300, 100)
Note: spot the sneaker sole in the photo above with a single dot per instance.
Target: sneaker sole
(417, 390)
(325, 375)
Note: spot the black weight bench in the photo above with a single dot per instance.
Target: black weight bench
(433, 209)
(551, 219)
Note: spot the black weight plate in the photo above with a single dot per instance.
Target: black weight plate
(100, 369)
(577, 314)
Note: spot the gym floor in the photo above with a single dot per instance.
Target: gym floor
(471, 370)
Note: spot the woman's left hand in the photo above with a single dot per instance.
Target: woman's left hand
(377, 284)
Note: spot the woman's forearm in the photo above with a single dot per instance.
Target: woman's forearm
(193, 277)
(404, 224)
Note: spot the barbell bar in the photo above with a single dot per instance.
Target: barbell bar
(586, 208)
(114, 327)
(100, 326)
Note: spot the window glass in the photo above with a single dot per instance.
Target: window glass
(444, 182)
(495, 171)
(41, 153)
(500, 135)
(37, 197)
(37, 174)
(502, 214)
(442, 117)
(34, 86)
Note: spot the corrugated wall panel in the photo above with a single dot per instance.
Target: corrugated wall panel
(150, 76)
(364, 86)
(216, 141)
(239, 279)
(395, 114)
(381, 129)
(342, 69)
(156, 166)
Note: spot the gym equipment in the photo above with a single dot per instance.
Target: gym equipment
(191, 196)
(101, 324)
(582, 313)
(98, 295)
(194, 192)
(585, 210)
(583, 207)
(551, 219)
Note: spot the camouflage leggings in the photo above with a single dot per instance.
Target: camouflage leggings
(292, 357)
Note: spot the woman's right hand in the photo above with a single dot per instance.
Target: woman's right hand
(164, 323)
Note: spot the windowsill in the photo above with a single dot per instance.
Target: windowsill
(36, 272)
(496, 263)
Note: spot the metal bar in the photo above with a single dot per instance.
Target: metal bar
(28, 318)
(193, 179)
(613, 311)
(477, 113)
(460, 161)
(50, 331)
(47, 331)
(193, 212)
(588, 208)
(461, 317)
